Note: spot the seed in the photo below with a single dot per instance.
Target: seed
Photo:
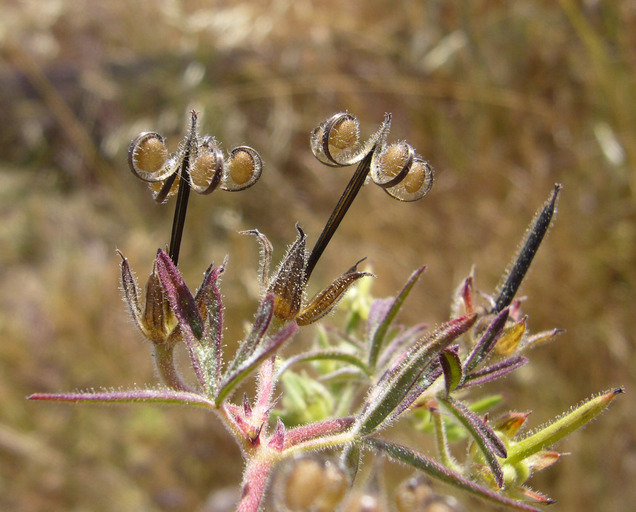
(392, 159)
(202, 171)
(344, 134)
(241, 167)
(150, 155)
(415, 178)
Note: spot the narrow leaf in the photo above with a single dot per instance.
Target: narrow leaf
(487, 341)
(494, 371)
(387, 394)
(489, 444)
(380, 330)
(440, 472)
(158, 396)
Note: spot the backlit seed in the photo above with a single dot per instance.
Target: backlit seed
(415, 177)
(343, 135)
(241, 167)
(202, 171)
(393, 159)
(150, 155)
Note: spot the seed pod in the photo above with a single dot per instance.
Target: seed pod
(390, 166)
(336, 141)
(243, 169)
(206, 170)
(416, 184)
(148, 157)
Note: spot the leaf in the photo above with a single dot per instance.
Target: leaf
(440, 472)
(395, 385)
(487, 341)
(378, 330)
(494, 371)
(489, 444)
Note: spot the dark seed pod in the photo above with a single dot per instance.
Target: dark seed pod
(243, 169)
(148, 157)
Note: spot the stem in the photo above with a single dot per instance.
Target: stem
(183, 194)
(347, 197)
(164, 361)
(442, 442)
(254, 484)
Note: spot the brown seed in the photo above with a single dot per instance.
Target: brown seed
(415, 178)
(202, 171)
(241, 167)
(392, 159)
(150, 155)
(344, 134)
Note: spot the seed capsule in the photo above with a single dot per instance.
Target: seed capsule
(416, 184)
(392, 164)
(344, 134)
(147, 157)
(244, 169)
(206, 171)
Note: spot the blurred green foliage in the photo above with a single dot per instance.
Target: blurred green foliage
(504, 99)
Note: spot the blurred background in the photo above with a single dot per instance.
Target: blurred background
(503, 98)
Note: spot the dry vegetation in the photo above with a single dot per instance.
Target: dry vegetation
(504, 98)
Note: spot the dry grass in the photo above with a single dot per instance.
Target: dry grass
(503, 98)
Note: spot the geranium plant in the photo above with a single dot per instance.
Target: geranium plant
(342, 394)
